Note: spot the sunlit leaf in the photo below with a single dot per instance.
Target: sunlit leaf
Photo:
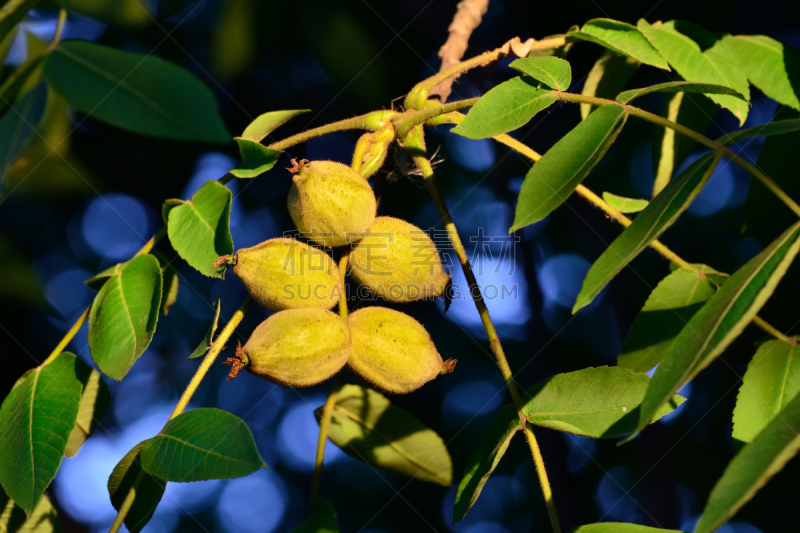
(553, 178)
(149, 489)
(678, 87)
(493, 445)
(723, 317)
(171, 283)
(552, 71)
(753, 467)
(202, 444)
(124, 315)
(322, 520)
(608, 77)
(600, 402)
(669, 307)
(506, 107)
(256, 159)
(772, 380)
(135, 92)
(622, 38)
(699, 57)
(769, 65)
(265, 124)
(199, 229)
(367, 426)
(43, 519)
(205, 344)
(95, 399)
(624, 205)
(18, 126)
(36, 419)
(659, 215)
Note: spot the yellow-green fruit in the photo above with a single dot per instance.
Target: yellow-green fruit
(287, 274)
(331, 203)
(298, 347)
(399, 262)
(392, 351)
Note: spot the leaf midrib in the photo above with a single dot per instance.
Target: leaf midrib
(209, 452)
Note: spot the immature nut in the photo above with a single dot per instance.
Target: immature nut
(330, 203)
(393, 351)
(371, 150)
(298, 347)
(399, 262)
(285, 273)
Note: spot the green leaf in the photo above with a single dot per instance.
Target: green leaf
(367, 426)
(659, 215)
(753, 466)
(171, 283)
(97, 281)
(619, 527)
(36, 419)
(622, 38)
(202, 444)
(43, 519)
(553, 178)
(12, 14)
(199, 229)
(624, 205)
(769, 65)
(256, 158)
(669, 307)
(678, 87)
(149, 489)
(95, 399)
(600, 402)
(124, 315)
(269, 122)
(778, 127)
(608, 77)
(670, 149)
(135, 92)
(506, 107)
(18, 126)
(720, 321)
(493, 446)
(322, 520)
(699, 57)
(552, 71)
(772, 380)
(205, 344)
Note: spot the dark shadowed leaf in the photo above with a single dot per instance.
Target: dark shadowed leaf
(135, 92)
(624, 205)
(621, 38)
(205, 344)
(552, 71)
(202, 444)
(753, 467)
(656, 218)
(505, 108)
(619, 527)
(322, 519)
(122, 13)
(36, 419)
(265, 124)
(493, 445)
(678, 87)
(367, 426)
(149, 489)
(124, 315)
(553, 178)
(772, 380)
(95, 399)
(43, 519)
(17, 127)
(199, 229)
(669, 307)
(720, 321)
(699, 57)
(778, 127)
(256, 159)
(13, 12)
(609, 75)
(600, 402)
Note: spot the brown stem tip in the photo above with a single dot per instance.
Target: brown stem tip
(224, 260)
(449, 366)
(237, 362)
(297, 166)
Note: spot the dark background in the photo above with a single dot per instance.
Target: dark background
(98, 200)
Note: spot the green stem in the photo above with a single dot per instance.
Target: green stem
(125, 508)
(359, 122)
(324, 424)
(690, 133)
(62, 19)
(405, 122)
(417, 149)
